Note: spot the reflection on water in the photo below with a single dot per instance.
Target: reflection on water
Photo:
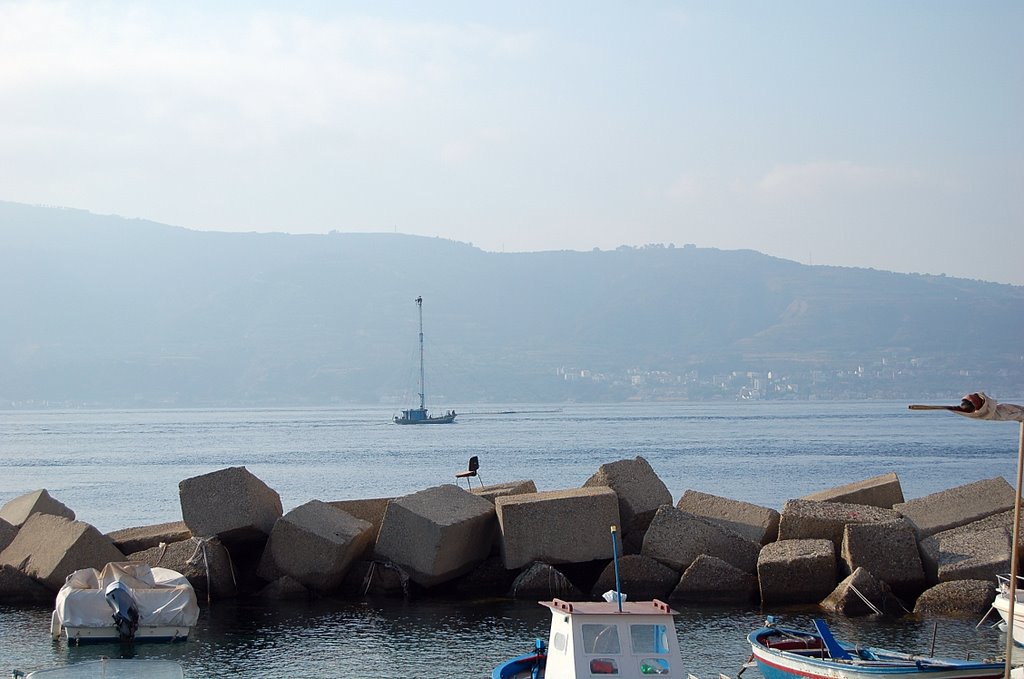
(440, 638)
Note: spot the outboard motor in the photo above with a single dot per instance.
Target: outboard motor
(126, 610)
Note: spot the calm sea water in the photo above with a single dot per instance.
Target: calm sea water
(121, 468)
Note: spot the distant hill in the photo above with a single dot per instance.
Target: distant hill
(103, 310)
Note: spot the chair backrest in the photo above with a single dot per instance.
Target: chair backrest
(474, 463)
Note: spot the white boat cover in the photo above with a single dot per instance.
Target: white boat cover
(164, 597)
(992, 410)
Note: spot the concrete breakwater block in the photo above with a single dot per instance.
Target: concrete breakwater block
(640, 492)
(316, 543)
(560, 526)
(966, 554)
(7, 533)
(889, 551)
(49, 548)
(848, 598)
(17, 511)
(796, 571)
(543, 581)
(804, 519)
(641, 577)
(130, 540)
(205, 562)
(710, 580)
(18, 588)
(497, 490)
(436, 534)
(370, 510)
(960, 598)
(980, 549)
(878, 491)
(231, 504)
(676, 538)
(757, 524)
(958, 506)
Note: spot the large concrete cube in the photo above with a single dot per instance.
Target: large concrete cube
(437, 534)
(640, 493)
(49, 548)
(501, 489)
(710, 580)
(560, 526)
(878, 491)
(18, 588)
(543, 581)
(370, 510)
(17, 511)
(316, 543)
(958, 506)
(205, 562)
(755, 523)
(796, 571)
(676, 538)
(889, 551)
(130, 540)
(7, 533)
(959, 598)
(977, 551)
(231, 504)
(808, 519)
(861, 593)
(641, 577)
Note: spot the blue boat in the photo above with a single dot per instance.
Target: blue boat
(420, 415)
(782, 653)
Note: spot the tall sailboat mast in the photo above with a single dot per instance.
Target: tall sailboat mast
(419, 305)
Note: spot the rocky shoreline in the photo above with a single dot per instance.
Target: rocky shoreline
(855, 549)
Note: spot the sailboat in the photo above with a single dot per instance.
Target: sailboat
(420, 415)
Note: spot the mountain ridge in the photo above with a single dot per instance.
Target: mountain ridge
(110, 310)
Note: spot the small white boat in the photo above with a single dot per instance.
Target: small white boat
(125, 602)
(591, 639)
(1002, 606)
(110, 668)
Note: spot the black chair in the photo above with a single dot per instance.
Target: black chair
(474, 466)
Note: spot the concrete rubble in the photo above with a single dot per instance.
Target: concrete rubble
(833, 548)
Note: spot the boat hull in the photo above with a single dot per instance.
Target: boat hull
(781, 657)
(522, 667)
(86, 635)
(1002, 606)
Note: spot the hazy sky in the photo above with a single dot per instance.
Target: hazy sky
(876, 134)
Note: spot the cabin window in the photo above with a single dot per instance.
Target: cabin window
(603, 666)
(600, 639)
(559, 642)
(648, 638)
(653, 666)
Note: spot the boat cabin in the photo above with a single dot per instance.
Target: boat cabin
(596, 639)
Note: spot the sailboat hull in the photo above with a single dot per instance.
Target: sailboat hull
(420, 416)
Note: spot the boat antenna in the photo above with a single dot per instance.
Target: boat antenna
(615, 558)
(419, 305)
